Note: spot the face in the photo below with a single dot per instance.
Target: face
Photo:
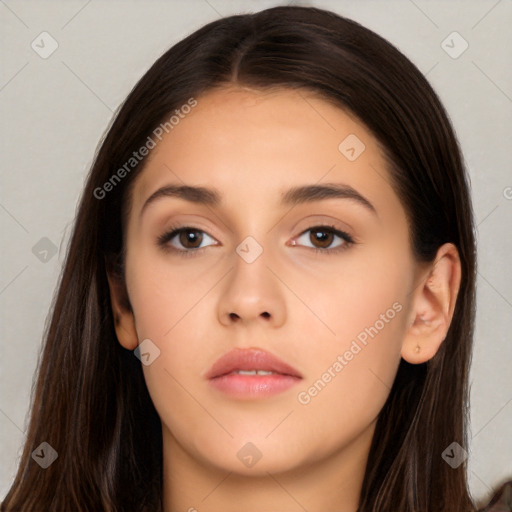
(321, 279)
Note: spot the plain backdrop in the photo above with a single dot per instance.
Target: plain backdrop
(55, 109)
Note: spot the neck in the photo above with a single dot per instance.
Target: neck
(330, 483)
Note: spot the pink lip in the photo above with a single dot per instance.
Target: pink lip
(252, 386)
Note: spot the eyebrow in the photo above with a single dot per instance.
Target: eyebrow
(294, 196)
(310, 193)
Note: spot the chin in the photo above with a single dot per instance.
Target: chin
(254, 458)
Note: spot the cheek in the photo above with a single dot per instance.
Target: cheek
(350, 375)
(364, 298)
(168, 316)
(165, 291)
(353, 363)
(170, 307)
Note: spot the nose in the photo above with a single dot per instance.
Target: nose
(251, 294)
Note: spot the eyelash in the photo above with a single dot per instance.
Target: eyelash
(164, 239)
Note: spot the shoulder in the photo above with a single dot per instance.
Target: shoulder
(502, 499)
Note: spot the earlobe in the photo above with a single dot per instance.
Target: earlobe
(433, 306)
(124, 321)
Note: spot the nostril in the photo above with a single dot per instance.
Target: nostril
(265, 314)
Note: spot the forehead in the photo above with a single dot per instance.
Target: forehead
(250, 141)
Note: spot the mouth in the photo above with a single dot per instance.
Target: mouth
(250, 361)
(252, 373)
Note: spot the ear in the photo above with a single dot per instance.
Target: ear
(124, 320)
(433, 305)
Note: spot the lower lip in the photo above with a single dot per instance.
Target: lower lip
(253, 386)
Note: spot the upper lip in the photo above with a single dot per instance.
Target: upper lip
(250, 359)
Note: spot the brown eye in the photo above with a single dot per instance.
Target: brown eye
(185, 239)
(190, 238)
(326, 239)
(321, 237)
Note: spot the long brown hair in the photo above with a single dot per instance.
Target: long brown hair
(90, 401)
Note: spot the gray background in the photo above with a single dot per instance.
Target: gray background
(54, 111)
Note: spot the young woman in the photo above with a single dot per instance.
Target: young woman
(268, 297)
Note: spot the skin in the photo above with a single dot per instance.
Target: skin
(305, 307)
